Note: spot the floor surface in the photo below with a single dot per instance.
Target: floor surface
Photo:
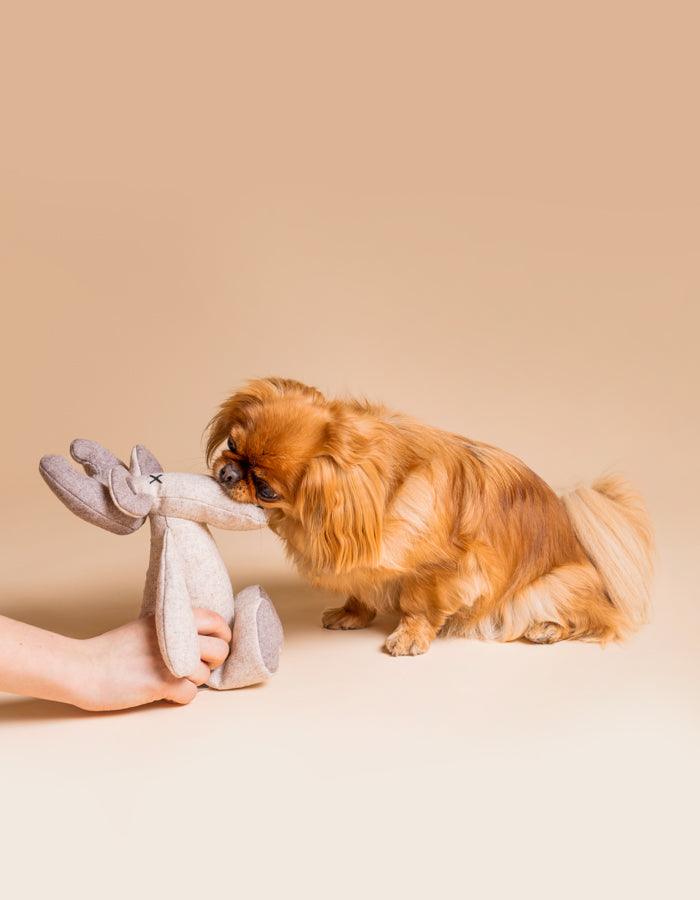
(550, 771)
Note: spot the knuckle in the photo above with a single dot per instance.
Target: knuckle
(203, 674)
(221, 649)
(206, 616)
(187, 691)
(201, 615)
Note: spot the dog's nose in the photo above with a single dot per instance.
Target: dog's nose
(230, 474)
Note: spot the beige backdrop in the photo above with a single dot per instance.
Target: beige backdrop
(484, 214)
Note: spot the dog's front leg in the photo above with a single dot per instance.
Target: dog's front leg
(424, 610)
(353, 614)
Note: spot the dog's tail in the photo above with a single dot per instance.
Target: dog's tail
(612, 524)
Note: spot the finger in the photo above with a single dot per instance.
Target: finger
(201, 674)
(213, 650)
(209, 622)
(183, 691)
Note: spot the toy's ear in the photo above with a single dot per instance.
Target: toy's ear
(143, 462)
(125, 497)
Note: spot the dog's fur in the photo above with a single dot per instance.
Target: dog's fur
(458, 536)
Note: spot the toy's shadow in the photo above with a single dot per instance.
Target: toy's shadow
(299, 606)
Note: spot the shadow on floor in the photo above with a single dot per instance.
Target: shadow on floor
(95, 609)
(27, 710)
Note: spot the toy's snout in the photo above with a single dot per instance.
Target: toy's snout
(180, 495)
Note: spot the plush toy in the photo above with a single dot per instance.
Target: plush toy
(185, 568)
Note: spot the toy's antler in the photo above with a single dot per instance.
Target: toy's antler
(87, 494)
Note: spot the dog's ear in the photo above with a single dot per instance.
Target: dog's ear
(219, 427)
(341, 505)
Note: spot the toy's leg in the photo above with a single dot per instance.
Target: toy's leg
(177, 633)
(256, 642)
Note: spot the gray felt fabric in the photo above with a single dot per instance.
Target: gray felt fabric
(97, 461)
(86, 495)
(270, 634)
(252, 659)
(144, 461)
(185, 568)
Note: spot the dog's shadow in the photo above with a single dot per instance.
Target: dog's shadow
(94, 610)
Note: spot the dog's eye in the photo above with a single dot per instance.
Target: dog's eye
(264, 491)
(231, 444)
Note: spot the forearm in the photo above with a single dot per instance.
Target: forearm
(39, 663)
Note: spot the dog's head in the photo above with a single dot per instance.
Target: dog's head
(287, 448)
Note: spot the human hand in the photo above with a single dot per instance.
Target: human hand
(124, 668)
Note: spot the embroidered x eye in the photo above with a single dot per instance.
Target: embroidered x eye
(156, 478)
(231, 444)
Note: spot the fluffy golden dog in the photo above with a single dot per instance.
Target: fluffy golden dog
(457, 536)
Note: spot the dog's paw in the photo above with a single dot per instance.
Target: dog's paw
(544, 633)
(406, 641)
(340, 618)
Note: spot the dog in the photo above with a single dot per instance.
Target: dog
(457, 536)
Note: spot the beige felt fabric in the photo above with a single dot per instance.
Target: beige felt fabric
(186, 571)
(174, 616)
(198, 498)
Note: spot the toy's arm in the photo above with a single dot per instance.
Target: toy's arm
(87, 494)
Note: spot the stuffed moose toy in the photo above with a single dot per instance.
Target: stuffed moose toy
(185, 568)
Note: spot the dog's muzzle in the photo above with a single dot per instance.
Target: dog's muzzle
(230, 474)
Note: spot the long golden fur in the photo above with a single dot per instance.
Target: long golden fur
(457, 536)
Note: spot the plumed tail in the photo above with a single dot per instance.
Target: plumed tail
(612, 524)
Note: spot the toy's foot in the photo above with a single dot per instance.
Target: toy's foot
(255, 645)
